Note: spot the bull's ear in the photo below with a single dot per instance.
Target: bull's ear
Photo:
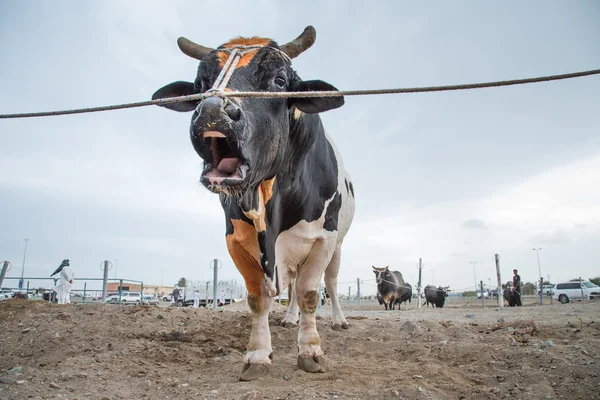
(314, 105)
(175, 89)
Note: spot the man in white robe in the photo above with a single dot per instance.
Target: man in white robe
(65, 281)
(196, 299)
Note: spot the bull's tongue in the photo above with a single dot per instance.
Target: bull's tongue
(228, 165)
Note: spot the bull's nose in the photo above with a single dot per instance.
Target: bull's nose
(211, 107)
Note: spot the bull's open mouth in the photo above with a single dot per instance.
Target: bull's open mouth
(228, 167)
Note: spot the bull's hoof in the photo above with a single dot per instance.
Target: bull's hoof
(254, 371)
(339, 327)
(288, 324)
(312, 364)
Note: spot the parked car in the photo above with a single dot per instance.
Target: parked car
(149, 301)
(126, 298)
(547, 290)
(567, 291)
(167, 297)
(485, 294)
(494, 293)
(5, 294)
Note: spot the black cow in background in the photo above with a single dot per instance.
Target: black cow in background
(435, 296)
(390, 287)
(407, 296)
(509, 295)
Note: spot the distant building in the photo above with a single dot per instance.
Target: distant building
(154, 290)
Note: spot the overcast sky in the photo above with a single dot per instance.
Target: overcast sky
(449, 177)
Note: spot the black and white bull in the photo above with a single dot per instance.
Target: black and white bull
(390, 287)
(288, 200)
(435, 296)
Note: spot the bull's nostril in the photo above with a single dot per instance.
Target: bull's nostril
(233, 111)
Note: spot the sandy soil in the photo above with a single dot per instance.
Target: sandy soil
(104, 352)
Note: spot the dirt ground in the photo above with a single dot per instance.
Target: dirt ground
(96, 351)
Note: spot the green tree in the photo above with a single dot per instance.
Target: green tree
(575, 280)
(182, 282)
(595, 280)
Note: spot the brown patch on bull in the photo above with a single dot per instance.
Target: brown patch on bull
(309, 302)
(244, 250)
(265, 192)
(247, 57)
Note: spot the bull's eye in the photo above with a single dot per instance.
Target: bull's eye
(279, 81)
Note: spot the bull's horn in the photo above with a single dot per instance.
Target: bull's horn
(192, 49)
(306, 39)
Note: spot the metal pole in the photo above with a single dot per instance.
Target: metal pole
(23, 268)
(475, 279)
(120, 289)
(3, 272)
(84, 290)
(215, 277)
(499, 278)
(581, 287)
(27, 292)
(551, 294)
(482, 296)
(358, 291)
(104, 281)
(206, 294)
(419, 288)
(350, 294)
(141, 291)
(320, 296)
(541, 279)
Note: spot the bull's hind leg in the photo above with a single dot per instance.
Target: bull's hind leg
(331, 277)
(291, 316)
(310, 354)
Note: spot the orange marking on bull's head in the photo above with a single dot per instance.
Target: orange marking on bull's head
(247, 57)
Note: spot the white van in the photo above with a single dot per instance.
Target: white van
(567, 291)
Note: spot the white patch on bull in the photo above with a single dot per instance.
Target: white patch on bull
(297, 114)
(346, 213)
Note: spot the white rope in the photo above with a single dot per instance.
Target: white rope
(337, 93)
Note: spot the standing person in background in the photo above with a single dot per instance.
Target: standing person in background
(175, 296)
(65, 281)
(196, 298)
(517, 287)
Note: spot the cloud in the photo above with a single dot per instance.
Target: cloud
(556, 237)
(475, 223)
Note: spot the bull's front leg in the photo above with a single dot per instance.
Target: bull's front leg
(244, 250)
(257, 360)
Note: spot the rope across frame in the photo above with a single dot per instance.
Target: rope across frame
(338, 93)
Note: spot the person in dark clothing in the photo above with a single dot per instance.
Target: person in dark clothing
(517, 287)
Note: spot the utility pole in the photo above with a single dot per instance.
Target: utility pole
(499, 282)
(475, 279)
(358, 292)
(215, 268)
(23, 269)
(420, 283)
(541, 278)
